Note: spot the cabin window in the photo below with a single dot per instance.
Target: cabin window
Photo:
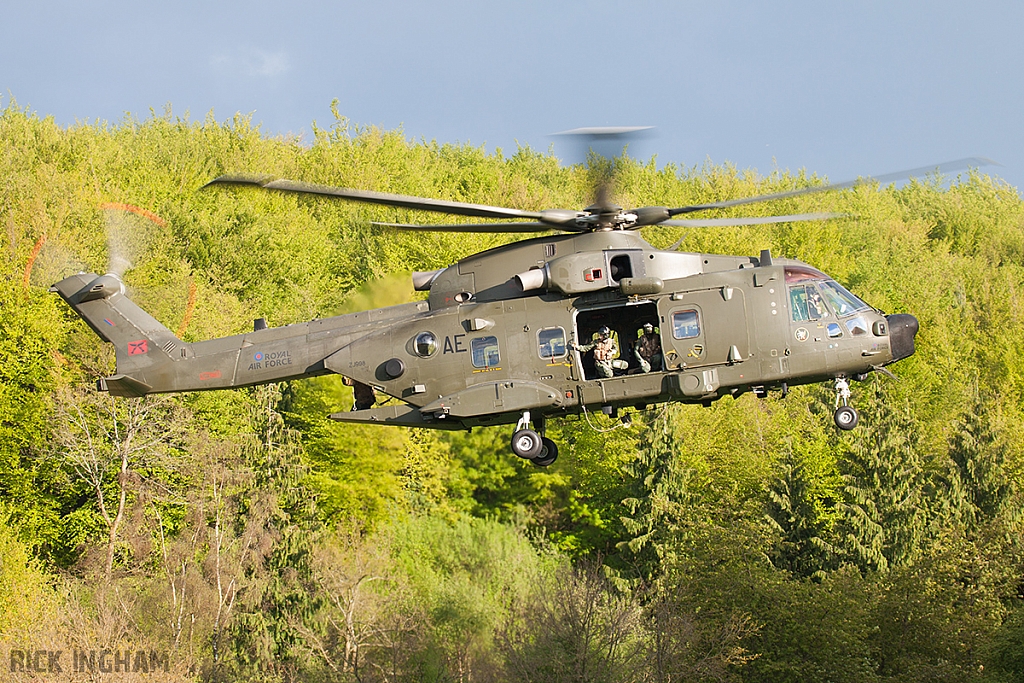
(806, 303)
(834, 331)
(485, 352)
(425, 344)
(552, 342)
(685, 325)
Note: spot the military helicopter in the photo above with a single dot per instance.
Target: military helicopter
(521, 333)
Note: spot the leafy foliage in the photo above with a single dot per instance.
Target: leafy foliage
(258, 540)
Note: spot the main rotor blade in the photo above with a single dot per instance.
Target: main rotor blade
(947, 167)
(605, 131)
(752, 220)
(385, 198)
(476, 227)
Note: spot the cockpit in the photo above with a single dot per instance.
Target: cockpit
(814, 296)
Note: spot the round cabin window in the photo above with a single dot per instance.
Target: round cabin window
(425, 344)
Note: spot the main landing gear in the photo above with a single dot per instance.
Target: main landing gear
(531, 445)
(845, 416)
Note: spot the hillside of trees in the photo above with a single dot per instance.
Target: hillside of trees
(250, 538)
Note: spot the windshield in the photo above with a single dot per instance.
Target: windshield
(841, 300)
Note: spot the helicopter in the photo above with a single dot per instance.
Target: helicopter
(585, 317)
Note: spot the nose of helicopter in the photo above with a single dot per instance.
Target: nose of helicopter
(902, 330)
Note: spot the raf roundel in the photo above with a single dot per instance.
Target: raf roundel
(258, 356)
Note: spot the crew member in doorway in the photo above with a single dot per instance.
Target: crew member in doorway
(364, 396)
(605, 352)
(647, 350)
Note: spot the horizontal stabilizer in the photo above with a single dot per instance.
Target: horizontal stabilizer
(123, 385)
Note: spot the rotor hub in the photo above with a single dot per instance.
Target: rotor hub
(606, 218)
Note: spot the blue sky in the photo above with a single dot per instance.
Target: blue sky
(839, 88)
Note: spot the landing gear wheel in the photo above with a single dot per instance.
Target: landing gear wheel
(527, 443)
(846, 417)
(548, 453)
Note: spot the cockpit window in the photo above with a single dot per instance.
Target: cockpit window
(841, 300)
(806, 303)
(857, 326)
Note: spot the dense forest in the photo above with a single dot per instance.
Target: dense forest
(243, 536)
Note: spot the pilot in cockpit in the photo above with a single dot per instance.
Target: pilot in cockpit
(815, 305)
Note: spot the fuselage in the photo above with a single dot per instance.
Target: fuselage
(725, 324)
(497, 334)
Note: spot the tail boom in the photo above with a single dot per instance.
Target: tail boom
(151, 359)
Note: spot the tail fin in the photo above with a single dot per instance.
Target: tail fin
(144, 347)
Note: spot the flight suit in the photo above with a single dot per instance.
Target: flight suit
(605, 351)
(364, 396)
(647, 350)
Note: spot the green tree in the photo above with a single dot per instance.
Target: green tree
(30, 334)
(576, 628)
(108, 443)
(802, 548)
(978, 466)
(355, 469)
(1006, 649)
(659, 493)
(885, 515)
(265, 524)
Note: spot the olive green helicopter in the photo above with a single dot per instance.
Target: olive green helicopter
(586, 317)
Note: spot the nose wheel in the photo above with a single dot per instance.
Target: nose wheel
(846, 416)
(530, 445)
(527, 443)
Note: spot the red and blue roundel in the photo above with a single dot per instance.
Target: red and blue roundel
(258, 355)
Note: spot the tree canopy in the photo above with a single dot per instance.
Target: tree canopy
(254, 539)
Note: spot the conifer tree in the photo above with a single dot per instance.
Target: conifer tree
(659, 490)
(790, 510)
(977, 466)
(271, 534)
(884, 517)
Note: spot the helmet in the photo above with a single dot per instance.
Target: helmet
(648, 328)
(604, 332)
